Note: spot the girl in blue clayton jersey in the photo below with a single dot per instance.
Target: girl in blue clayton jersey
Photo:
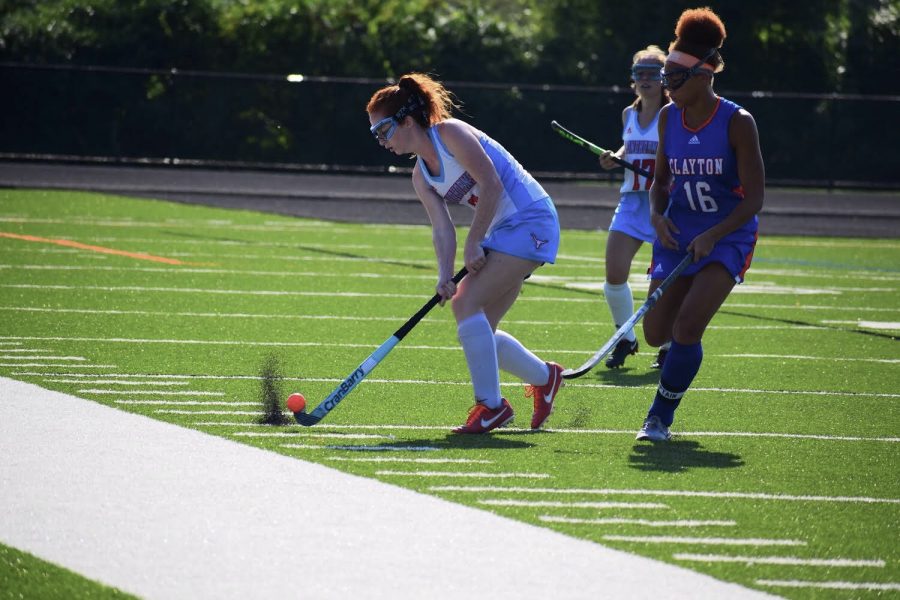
(514, 230)
(630, 226)
(708, 187)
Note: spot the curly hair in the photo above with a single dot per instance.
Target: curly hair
(437, 102)
(698, 31)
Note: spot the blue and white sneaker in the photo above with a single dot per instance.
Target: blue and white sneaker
(653, 430)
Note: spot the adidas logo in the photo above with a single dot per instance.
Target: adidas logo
(658, 269)
(694, 140)
(628, 130)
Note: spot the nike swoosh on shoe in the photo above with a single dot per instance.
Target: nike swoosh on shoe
(490, 422)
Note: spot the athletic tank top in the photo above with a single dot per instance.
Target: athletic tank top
(454, 184)
(706, 187)
(640, 150)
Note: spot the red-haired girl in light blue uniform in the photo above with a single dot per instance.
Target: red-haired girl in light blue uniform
(708, 188)
(514, 231)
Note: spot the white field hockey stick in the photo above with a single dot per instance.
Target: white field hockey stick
(577, 139)
(368, 365)
(631, 322)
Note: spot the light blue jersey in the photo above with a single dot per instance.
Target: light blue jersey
(632, 216)
(525, 224)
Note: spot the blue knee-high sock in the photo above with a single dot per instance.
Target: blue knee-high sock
(681, 366)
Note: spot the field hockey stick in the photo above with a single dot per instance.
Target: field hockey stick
(368, 365)
(577, 139)
(631, 322)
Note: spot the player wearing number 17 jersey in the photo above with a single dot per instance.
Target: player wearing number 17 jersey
(708, 188)
(630, 226)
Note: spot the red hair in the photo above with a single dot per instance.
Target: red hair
(438, 102)
(698, 31)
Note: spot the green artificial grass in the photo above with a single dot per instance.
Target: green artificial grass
(788, 435)
(26, 577)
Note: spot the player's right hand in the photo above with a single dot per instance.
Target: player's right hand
(664, 228)
(606, 162)
(446, 290)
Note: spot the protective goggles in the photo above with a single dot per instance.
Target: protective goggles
(646, 72)
(384, 129)
(674, 79)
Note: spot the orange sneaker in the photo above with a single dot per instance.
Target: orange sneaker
(483, 419)
(545, 395)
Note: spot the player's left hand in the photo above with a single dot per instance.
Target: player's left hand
(702, 245)
(475, 258)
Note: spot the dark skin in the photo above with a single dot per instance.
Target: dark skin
(685, 310)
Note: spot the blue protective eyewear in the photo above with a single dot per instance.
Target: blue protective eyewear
(646, 71)
(384, 129)
(674, 79)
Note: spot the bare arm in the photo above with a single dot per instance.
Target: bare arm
(461, 140)
(659, 190)
(607, 163)
(443, 234)
(744, 138)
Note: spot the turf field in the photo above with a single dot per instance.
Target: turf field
(782, 475)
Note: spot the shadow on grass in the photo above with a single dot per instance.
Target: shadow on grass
(679, 455)
(625, 376)
(450, 442)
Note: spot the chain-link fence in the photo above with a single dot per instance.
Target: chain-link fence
(84, 113)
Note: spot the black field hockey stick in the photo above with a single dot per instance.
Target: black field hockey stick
(368, 365)
(577, 139)
(631, 322)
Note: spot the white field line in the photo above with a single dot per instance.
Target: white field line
(299, 256)
(364, 448)
(713, 541)
(507, 322)
(339, 294)
(764, 287)
(537, 278)
(22, 350)
(39, 357)
(301, 317)
(797, 307)
(211, 412)
(117, 382)
(780, 560)
(10, 344)
(384, 459)
(313, 434)
(54, 365)
(217, 225)
(460, 383)
(474, 474)
(150, 392)
(642, 522)
(515, 430)
(213, 226)
(401, 347)
(502, 384)
(183, 403)
(671, 493)
(558, 504)
(830, 585)
(214, 271)
(880, 325)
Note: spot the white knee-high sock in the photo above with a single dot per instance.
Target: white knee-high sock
(621, 304)
(515, 358)
(477, 339)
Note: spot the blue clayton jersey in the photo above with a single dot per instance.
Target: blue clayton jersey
(706, 187)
